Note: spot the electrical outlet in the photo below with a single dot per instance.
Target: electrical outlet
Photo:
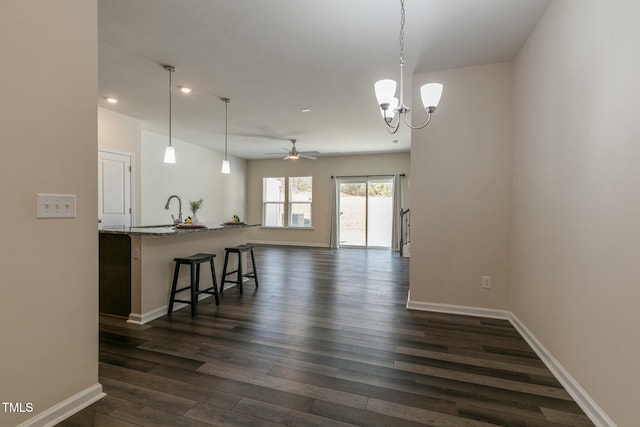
(56, 206)
(486, 282)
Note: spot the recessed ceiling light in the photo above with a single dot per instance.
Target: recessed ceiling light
(185, 89)
(111, 100)
(305, 110)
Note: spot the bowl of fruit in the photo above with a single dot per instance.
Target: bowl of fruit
(235, 220)
(190, 223)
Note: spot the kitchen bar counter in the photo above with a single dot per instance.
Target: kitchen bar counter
(172, 230)
(136, 264)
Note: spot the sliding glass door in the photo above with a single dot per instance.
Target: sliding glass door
(366, 212)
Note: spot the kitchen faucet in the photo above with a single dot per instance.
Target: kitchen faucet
(179, 219)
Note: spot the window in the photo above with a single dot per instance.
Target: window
(300, 201)
(273, 200)
(287, 202)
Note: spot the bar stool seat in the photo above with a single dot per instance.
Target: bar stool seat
(239, 250)
(193, 262)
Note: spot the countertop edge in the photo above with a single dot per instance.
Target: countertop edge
(169, 231)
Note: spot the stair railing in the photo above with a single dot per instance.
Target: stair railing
(405, 228)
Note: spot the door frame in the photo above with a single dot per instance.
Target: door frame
(366, 180)
(132, 183)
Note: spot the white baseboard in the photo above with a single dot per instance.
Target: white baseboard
(271, 243)
(457, 309)
(579, 394)
(66, 408)
(141, 319)
(582, 398)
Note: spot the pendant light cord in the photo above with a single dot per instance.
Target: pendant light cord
(226, 119)
(170, 108)
(170, 69)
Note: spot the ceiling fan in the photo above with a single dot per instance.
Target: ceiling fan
(294, 154)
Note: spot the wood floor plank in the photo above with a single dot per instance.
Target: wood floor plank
(302, 389)
(287, 417)
(474, 361)
(519, 386)
(224, 385)
(169, 386)
(147, 397)
(423, 416)
(358, 417)
(325, 341)
(227, 418)
(566, 418)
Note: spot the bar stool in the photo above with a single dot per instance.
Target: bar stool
(194, 262)
(239, 277)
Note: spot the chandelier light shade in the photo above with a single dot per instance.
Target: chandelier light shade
(170, 150)
(430, 94)
(393, 108)
(226, 168)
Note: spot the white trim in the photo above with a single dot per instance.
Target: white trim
(141, 319)
(274, 243)
(582, 398)
(66, 408)
(579, 394)
(457, 309)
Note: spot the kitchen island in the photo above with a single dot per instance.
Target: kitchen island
(136, 264)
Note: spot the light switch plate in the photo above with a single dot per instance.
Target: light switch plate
(56, 205)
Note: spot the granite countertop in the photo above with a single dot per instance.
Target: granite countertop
(172, 230)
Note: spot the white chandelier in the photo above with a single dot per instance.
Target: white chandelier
(392, 108)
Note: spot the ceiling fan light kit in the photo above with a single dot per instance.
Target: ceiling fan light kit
(294, 154)
(392, 108)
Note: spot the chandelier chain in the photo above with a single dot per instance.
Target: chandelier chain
(393, 109)
(402, 32)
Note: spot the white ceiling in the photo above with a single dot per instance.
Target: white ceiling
(274, 57)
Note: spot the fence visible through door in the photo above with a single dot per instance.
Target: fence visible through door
(366, 212)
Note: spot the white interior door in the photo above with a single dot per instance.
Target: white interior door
(114, 189)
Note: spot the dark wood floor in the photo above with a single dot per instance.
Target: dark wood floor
(325, 341)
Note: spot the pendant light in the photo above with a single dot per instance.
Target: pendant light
(392, 108)
(226, 168)
(170, 150)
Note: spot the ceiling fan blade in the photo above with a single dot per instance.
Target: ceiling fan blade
(286, 157)
(306, 156)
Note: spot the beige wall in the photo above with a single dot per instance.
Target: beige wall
(575, 277)
(461, 190)
(122, 134)
(49, 303)
(321, 170)
(196, 174)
